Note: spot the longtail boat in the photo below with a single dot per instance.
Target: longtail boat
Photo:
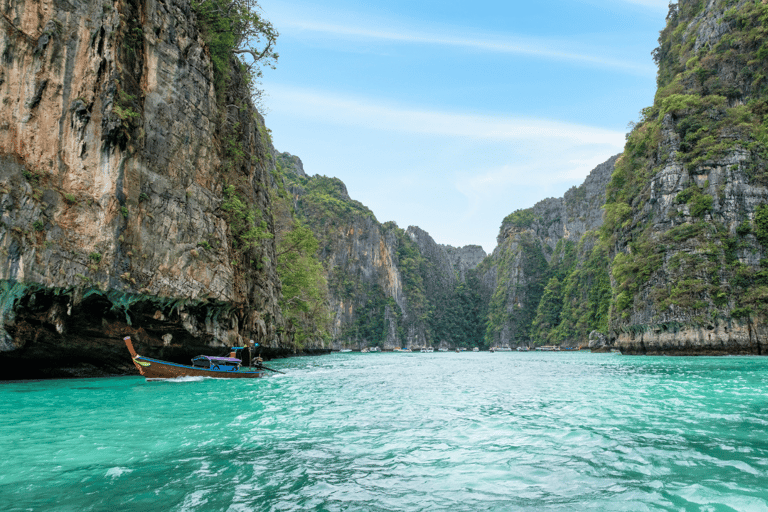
(202, 366)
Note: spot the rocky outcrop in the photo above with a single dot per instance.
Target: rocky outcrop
(384, 282)
(522, 264)
(689, 195)
(113, 179)
(465, 258)
(684, 232)
(564, 218)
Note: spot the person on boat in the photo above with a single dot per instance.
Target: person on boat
(258, 360)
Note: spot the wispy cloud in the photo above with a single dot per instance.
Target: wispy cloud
(497, 163)
(376, 115)
(518, 45)
(656, 4)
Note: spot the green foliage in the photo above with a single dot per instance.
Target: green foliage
(702, 98)
(124, 108)
(521, 219)
(633, 268)
(701, 205)
(741, 312)
(303, 284)
(95, 257)
(761, 224)
(246, 224)
(32, 176)
(70, 199)
(684, 196)
(586, 294)
(513, 307)
(548, 312)
(684, 232)
(324, 202)
(459, 316)
(124, 211)
(38, 225)
(231, 30)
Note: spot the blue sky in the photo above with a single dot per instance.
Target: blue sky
(451, 115)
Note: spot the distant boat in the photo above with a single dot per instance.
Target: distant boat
(441, 349)
(427, 350)
(475, 349)
(492, 350)
(365, 350)
(202, 366)
(523, 349)
(346, 350)
(375, 349)
(457, 350)
(406, 350)
(503, 349)
(615, 351)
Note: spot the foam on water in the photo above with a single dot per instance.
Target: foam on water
(179, 379)
(441, 431)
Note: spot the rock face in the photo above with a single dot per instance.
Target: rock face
(384, 282)
(532, 243)
(677, 262)
(465, 258)
(687, 204)
(112, 181)
(138, 199)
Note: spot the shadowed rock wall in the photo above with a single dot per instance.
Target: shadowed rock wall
(112, 178)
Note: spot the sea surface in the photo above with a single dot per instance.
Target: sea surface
(386, 432)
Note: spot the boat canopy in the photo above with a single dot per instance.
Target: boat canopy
(220, 359)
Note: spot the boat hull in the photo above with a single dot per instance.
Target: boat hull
(157, 369)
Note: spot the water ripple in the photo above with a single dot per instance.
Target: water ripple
(503, 431)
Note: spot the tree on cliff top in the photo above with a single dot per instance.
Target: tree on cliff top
(235, 29)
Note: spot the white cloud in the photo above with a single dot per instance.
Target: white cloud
(455, 174)
(561, 168)
(528, 46)
(657, 4)
(369, 114)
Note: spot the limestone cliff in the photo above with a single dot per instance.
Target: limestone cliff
(687, 206)
(119, 169)
(388, 287)
(553, 239)
(679, 263)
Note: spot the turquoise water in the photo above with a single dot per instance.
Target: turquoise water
(443, 431)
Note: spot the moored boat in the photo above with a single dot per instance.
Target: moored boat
(202, 366)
